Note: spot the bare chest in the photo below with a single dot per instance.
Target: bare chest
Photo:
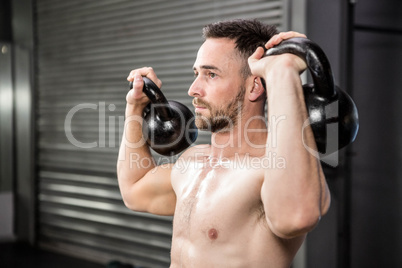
(212, 201)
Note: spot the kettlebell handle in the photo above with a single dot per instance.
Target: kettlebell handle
(326, 103)
(169, 126)
(317, 62)
(155, 95)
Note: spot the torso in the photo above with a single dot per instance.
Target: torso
(219, 218)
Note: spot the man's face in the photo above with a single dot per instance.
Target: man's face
(218, 88)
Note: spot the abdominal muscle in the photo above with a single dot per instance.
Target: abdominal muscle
(219, 221)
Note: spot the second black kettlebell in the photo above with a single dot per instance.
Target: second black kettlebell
(168, 126)
(327, 104)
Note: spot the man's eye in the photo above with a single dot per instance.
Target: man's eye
(212, 75)
(195, 74)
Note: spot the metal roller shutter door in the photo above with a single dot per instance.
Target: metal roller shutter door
(85, 50)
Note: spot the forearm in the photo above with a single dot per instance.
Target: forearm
(294, 195)
(134, 151)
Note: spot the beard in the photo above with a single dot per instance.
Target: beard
(222, 119)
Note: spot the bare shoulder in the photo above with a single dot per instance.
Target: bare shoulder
(188, 162)
(196, 151)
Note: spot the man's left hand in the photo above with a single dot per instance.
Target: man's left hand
(260, 66)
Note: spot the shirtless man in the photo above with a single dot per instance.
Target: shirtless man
(232, 207)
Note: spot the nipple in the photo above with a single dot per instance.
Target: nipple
(213, 234)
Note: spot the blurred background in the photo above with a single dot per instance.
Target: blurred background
(63, 69)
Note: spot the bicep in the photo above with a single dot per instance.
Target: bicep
(153, 193)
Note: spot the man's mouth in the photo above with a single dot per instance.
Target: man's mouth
(199, 109)
(199, 106)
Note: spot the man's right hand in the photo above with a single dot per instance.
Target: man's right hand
(135, 96)
(144, 185)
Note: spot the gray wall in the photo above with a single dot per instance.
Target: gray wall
(376, 170)
(363, 228)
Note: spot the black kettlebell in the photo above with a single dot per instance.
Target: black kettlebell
(326, 103)
(168, 126)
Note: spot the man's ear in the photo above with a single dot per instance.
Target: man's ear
(257, 90)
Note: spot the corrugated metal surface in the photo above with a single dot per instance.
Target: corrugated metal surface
(85, 50)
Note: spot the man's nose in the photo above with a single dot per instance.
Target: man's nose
(195, 89)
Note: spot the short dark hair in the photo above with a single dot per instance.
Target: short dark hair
(247, 34)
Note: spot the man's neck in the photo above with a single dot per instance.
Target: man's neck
(249, 137)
